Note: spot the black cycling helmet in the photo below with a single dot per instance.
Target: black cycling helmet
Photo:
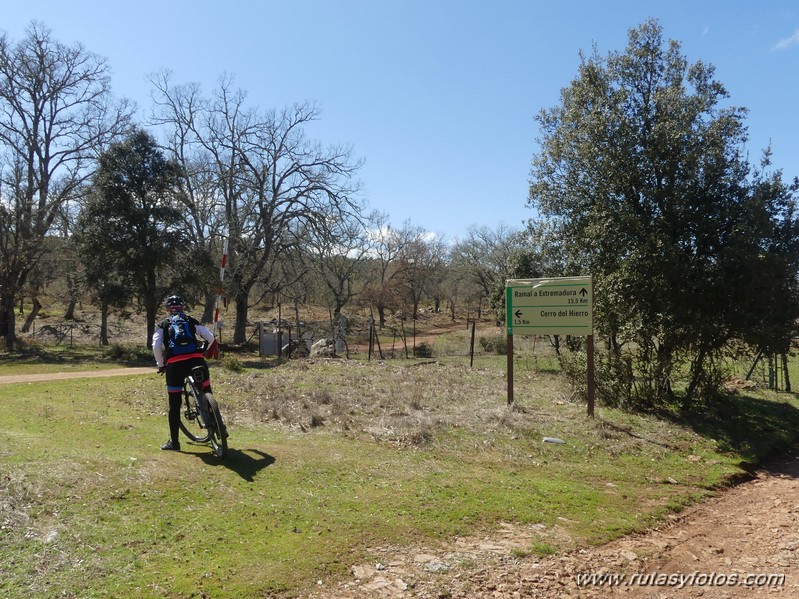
(174, 303)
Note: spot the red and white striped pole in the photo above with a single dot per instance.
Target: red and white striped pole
(213, 351)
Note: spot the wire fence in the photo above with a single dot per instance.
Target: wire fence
(536, 353)
(769, 371)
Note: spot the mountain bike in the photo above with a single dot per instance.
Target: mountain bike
(202, 421)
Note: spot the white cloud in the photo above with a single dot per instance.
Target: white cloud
(787, 42)
(706, 30)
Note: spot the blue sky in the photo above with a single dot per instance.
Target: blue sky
(438, 97)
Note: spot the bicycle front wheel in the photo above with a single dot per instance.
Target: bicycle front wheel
(217, 431)
(192, 422)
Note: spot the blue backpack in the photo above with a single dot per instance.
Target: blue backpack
(181, 336)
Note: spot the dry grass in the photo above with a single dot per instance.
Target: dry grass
(403, 403)
(16, 498)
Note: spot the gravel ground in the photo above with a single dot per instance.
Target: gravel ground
(724, 547)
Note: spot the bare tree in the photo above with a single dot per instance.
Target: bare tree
(422, 265)
(271, 182)
(459, 288)
(437, 261)
(296, 185)
(177, 111)
(485, 255)
(56, 113)
(338, 255)
(388, 268)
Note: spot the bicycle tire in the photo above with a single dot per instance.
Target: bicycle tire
(195, 429)
(217, 431)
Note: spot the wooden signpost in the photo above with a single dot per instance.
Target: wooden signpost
(554, 306)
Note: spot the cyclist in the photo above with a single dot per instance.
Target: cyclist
(177, 349)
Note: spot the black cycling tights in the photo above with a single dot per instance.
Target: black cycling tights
(175, 375)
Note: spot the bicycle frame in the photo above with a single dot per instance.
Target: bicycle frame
(195, 380)
(196, 409)
(203, 409)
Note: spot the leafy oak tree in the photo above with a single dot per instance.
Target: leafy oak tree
(643, 181)
(131, 231)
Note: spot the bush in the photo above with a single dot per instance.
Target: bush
(423, 350)
(232, 363)
(496, 345)
(613, 377)
(129, 355)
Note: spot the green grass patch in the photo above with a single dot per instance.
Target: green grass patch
(38, 359)
(330, 459)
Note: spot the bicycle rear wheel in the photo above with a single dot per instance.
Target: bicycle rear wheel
(192, 422)
(216, 431)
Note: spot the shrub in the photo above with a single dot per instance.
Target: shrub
(423, 350)
(613, 377)
(129, 355)
(496, 345)
(232, 363)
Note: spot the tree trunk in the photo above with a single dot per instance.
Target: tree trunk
(151, 316)
(104, 323)
(297, 319)
(37, 305)
(555, 341)
(240, 328)
(8, 320)
(664, 366)
(72, 288)
(381, 314)
(152, 305)
(210, 308)
(70, 312)
(697, 372)
(785, 372)
(337, 311)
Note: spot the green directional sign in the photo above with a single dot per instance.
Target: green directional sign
(557, 306)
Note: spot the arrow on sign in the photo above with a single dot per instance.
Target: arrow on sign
(518, 313)
(583, 292)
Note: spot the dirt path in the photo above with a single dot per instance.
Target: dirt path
(54, 376)
(725, 547)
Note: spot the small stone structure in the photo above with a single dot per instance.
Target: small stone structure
(323, 348)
